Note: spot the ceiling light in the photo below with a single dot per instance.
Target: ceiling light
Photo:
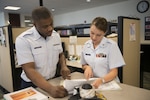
(88, 0)
(27, 21)
(12, 8)
(53, 9)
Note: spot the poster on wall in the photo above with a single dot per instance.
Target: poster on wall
(2, 37)
(147, 28)
(132, 32)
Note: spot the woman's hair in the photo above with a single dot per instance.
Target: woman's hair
(100, 23)
(41, 13)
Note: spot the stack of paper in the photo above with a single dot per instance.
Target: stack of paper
(25, 94)
(70, 84)
(112, 85)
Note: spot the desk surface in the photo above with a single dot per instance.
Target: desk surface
(127, 93)
(74, 64)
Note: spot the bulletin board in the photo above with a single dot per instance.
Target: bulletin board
(147, 28)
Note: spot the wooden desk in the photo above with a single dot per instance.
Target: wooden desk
(74, 64)
(127, 93)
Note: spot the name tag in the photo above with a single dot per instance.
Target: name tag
(38, 47)
(88, 54)
(55, 44)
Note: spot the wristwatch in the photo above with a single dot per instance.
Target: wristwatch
(103, 80)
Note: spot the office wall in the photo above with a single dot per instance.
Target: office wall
(110, 12)
(2, 21)
(18, 31)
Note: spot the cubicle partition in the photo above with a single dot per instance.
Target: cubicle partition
(129, 43)
(6, 59)
(9, 70)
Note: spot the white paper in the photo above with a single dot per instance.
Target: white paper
(70, 84)
(132, 32)
(71, 50)
(78, 50)
(112, 85)
(73, 39)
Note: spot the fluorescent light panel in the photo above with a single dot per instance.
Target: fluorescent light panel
(12, 8)
(27, 21)
(88, 0)
(53, 9)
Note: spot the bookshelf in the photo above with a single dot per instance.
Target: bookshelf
(82, 30)
(72, 30)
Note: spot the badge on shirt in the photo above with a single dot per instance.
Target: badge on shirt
(101, 55)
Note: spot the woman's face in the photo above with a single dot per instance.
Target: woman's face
(96, 35)
(44, 26)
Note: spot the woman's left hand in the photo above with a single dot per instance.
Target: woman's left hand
(97, 83)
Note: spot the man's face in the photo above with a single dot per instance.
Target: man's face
(44, 26)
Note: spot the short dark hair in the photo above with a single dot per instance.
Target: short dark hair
(41, 13)
(100, 23)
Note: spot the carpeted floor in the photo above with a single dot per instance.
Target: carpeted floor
(146, 80)
(1, 95)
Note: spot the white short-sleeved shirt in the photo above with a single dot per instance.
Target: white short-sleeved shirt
(32, 47)
(106, 56)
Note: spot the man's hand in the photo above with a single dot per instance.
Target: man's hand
(58, 92)
(65, 72)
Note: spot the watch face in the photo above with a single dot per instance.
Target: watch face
(143, 6)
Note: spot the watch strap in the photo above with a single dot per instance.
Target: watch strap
(103, 80)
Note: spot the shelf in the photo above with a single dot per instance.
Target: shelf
(71, 30)
(82, 30)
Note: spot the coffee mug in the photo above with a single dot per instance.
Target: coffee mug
(87, 91)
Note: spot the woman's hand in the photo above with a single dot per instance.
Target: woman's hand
(97, 83)
(88, 73)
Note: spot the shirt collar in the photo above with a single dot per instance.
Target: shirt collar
(103, 42)
(37, 35)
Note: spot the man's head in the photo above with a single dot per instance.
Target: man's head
(43, 21)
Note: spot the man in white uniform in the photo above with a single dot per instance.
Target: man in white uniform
(38, 51)
(101, 57)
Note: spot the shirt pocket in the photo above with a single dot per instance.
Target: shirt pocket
(101, 61)
(88, 56)
(57, 49)
(39, 55)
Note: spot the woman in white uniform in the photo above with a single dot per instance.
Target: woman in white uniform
(101, 57)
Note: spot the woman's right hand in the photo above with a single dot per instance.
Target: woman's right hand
(88, 73)
(58, 92)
